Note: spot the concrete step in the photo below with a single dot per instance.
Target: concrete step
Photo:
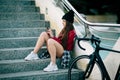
(17, 42)
(20, 65)
(17, 53)
(17, 8)
(21, 32)
(22, 16)
(40, 75)
(23, 24)
(17, 2)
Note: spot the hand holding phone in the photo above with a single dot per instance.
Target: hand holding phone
(49, 32)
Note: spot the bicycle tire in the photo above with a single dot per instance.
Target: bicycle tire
(86, 57)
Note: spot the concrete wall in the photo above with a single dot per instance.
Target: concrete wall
(52, 13)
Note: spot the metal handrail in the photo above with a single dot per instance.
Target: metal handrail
(66, 2)
(88, 24)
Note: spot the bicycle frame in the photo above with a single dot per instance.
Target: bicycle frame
(95, 57)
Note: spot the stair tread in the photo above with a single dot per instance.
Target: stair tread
(4, 5)
(18, 8)
(22, 28)
(20, 13)
(22, 20)
(21, 65)
(20, 61)
(18, 38)
(38, 72)
(17, 0)
(22, 48)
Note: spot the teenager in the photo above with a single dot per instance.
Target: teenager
(56, 45)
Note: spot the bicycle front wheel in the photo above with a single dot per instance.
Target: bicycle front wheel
(89, 72)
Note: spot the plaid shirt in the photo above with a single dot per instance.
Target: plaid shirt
(65, 59)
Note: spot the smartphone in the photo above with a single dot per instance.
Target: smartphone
(47, 28)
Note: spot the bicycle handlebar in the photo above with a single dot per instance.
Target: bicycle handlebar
(93, 40)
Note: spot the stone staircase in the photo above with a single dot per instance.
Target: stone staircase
(20, 25)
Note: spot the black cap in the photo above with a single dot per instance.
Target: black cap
(69, 16)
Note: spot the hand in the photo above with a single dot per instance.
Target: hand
(49, 32)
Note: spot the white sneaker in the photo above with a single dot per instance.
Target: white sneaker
(51, 67)
(32, 56)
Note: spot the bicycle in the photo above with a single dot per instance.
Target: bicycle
(93, 61)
